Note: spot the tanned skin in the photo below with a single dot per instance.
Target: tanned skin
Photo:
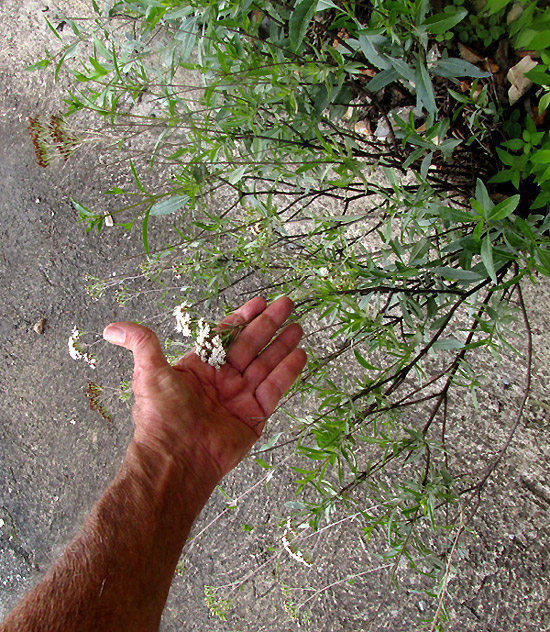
(193, 424)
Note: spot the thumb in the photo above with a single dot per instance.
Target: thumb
(141, 341)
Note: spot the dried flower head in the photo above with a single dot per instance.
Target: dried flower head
(93, 393)
(77, 352)
(50, 138)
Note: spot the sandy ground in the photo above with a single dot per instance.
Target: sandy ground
(56, 456)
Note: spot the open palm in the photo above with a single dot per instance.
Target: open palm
(207, 415)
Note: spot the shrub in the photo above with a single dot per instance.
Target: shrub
(375, 169)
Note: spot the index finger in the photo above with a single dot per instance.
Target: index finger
(245, 313)
(258, 333)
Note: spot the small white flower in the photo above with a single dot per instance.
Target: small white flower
(90, 360)
(297, 555)
(217, 355)
(202, 353)
(323, 272)
(203, 334)
(74, 351)
(183, 319)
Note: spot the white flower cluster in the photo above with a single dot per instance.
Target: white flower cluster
(209, 349)
(217, 355)
(76, 352)
(297, 555)
(183, 319)
(202, 340)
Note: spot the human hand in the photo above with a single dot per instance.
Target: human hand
(211, 418)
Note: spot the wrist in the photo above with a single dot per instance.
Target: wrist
(180, 480)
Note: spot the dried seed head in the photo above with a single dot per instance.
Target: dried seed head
(51, 137)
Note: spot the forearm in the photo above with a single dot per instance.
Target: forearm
(116, 573)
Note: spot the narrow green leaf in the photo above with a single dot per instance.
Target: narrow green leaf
(344, 219)
(52, 28)
(457, 274)
(426, 163)
(136, 177)
(144, 231)
(453, 68)
(497, 5)
(237, 175)
(299, 21)
(272, 441)
(187, 36)
(368, 42)
(101, 71)
(43, 63)
(442, 22)
(448, 344)
(101, 48)
(84, 212)
(363, 362)
(263, 463)
(425, 95)
(487, 258)
(382, 79)
(454, 215)
(170, 205)
(403, 69)
(482, 196)
(504, 208)
(323, 5)
(544, 102)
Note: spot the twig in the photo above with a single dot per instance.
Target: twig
(527, 390)
(446, 578)
(341, 581)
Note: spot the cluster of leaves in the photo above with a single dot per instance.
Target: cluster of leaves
(526, 153)
(353, 146)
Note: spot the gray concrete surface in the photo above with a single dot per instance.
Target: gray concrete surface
(56, 455)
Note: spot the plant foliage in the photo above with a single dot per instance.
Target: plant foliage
(374, 169)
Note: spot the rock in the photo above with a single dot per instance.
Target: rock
(516, 76)
(38, 327)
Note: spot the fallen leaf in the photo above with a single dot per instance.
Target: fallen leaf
(38, 327)
(342, 36)
(534, 54)
(520, 83)
(469, 55)
(490, 66)
(363, 127)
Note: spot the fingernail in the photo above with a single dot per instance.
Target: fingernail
(114, 334)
